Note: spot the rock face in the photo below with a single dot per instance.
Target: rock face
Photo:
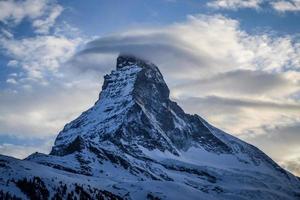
(134, 108)
(135, 143)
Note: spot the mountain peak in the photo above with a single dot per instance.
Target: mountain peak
(130, 60)
(134, 107)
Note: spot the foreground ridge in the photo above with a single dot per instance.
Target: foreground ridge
(135, 143)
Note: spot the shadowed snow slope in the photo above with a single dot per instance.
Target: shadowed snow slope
(135, 143)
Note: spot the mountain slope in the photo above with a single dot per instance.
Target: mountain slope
(135, 143)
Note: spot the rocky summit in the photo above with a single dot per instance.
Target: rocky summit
(135, 143)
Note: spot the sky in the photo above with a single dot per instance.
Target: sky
(236, 63)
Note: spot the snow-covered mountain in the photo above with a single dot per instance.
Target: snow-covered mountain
(135, 143)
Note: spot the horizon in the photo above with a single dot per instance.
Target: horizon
(234, 63)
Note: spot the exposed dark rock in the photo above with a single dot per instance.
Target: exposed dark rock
(75, 146)
(34, 189)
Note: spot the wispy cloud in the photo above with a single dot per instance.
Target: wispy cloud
(286, 6)
(16, 11)
(43, 25)
(41, 13)
(277, 5)
(234, 4)
(40, 55)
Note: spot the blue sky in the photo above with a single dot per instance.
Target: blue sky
(234, 62)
